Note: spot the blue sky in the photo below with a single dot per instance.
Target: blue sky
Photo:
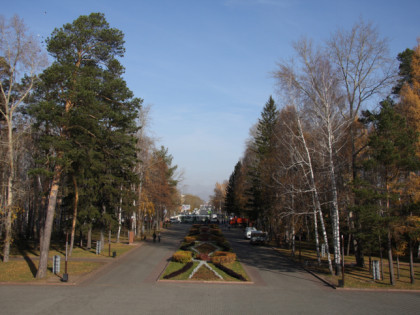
(204, 65)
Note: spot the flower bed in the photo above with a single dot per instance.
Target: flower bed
(205, 248)
(208, 244)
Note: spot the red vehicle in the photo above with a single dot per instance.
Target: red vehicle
(238, 221)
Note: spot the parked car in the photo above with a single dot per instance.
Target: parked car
(248, 231)
(175, 220)
(258, 237)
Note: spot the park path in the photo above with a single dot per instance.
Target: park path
(129, 286)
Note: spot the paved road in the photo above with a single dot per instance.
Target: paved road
(130, 287)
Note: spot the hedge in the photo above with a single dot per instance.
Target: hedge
(182, 256)
(216, 232)
(190, 239)
(220, 257)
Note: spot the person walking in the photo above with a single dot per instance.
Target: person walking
(158, 236)
(154, 236)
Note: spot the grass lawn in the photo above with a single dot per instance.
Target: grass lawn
(235, 266)
(31, 250)
(356, 277)
(174, 266)
(24, 270)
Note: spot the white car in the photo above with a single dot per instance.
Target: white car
(174, 220)
(259, 237)
(248, 231)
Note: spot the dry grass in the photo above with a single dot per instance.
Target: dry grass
(31, 250)
(25, 270)
(24, 261)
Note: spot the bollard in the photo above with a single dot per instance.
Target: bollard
(56, 264)
(376, 270)
(98, 247)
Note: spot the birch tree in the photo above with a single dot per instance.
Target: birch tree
(317, 85)
(365, 71)
(295, 142)
(20, 59)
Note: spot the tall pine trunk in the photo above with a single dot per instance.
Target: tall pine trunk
(73, 224)
(390, 259)
(410, 246)
(46, 237)
(89, 237)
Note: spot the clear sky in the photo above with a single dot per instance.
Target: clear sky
(204, 65)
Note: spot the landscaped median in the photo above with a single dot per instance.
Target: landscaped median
(205, 255)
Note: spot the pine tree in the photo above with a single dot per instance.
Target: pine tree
(231, 204)
(86, 114)
(391, 157)
(262, 200)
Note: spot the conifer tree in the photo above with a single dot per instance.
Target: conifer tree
(86, 113)
(231, 199)
(391, 156)
(262, 200)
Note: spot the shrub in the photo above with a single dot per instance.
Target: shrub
(204, 229)
(189, 239)
(216, 232)
(203, 237)
(223, 257)
(179, 271)
(194, 231)
(182, 256)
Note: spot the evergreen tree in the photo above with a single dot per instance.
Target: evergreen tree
(86, 114)
(262, 186)
(231, 204)
(391, 156)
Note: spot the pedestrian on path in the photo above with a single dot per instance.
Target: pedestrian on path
(154, 236)
(159, 236)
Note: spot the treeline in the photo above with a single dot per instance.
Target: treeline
(75, 155)
(330, 161)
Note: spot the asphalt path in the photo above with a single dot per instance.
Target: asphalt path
(130, 286)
